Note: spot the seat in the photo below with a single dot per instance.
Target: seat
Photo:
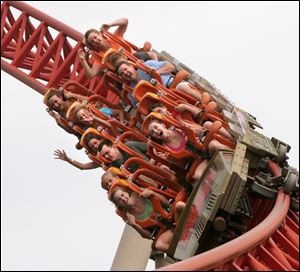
(94, 99)
(210, 113)
(117, 41)
(77, 88)
(144, 87)
(180, 76)
(161, 176)
(139, 180)
(68, 125)
(105, 60)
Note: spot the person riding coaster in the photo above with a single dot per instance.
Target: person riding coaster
(182, 142)
(147, 212)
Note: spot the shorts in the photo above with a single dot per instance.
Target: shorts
(184, 83)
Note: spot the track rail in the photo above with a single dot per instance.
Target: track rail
(271, 245)
(41, 51)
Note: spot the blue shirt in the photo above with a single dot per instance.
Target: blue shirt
(155, 64)
(106, 111)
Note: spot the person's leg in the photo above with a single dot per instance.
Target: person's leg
(200, 169)
(180, 205)
(222, 131)
(183, 86)
(214, 146)
(164, 240)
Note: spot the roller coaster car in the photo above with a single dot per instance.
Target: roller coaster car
(219, 205)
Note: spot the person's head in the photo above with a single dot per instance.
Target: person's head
(157, 107)
(95, 40)
(83, 115)
(157, 130)
(54, 100)
(93, 141)
(116, 58)
(121, 198)
(108, 179)
(126, 71)
(109, 151)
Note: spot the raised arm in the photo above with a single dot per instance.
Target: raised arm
(191, 109)
(119, 114)
(106, 124)
(90, 71)
(149, 193)
(70, 95)
(120, 23)
(61, 155)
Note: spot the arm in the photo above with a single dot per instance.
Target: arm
(191, 109)
(131, 222)
(153, 56)
(56, 116)
(119, 114)
(91, 72)
(167, 68)
(148, 193)
(70, 95)
(148, 180)
(106, 124)
(197, 129)
(120, 23)
(61, 155)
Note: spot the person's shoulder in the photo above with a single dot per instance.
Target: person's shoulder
(153, 62)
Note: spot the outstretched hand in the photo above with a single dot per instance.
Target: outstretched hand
(80, 54)
(105, 27)
(61, 155)
(56, 116)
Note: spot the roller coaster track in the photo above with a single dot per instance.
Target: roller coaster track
(273, 244)
(41, 51)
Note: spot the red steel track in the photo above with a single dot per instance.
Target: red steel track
(41, 51)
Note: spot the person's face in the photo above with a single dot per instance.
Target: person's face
(121, 198)
(55, 102)
(111, 153)
(127, 72)
(94, 144)
(157, 130)
(107, 181)
(84, 116)
(97, 41)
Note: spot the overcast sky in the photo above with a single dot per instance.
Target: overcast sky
(56, 217)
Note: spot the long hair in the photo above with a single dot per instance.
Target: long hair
(123, 209)
(87, 139)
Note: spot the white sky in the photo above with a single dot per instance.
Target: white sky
(56, 217)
